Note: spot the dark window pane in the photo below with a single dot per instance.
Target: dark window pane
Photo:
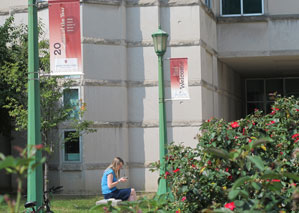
(274, 86)
(71, 147)
(208, 3)
(252, 6)
(71, 100)
(252, 106)
(255, 90)
(230, 7)
(292, 87)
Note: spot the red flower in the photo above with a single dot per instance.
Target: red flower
(281, 153)
(253, 123)
(272, 122)
(275, 180)
(226, 169)
(18, 148)
(166, 174)
(230, 177)
(236, 137)
(297, 110)
(296, 140)
(274, 110)
(295, 135)
(176, 170)
(193, 165)
(39, 146)
(243, 131)
(209, 162)
(234, 124)
(249, 140)
(184, 198)
(293, 184)
(230, 206)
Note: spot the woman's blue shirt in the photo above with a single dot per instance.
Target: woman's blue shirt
(105, 188)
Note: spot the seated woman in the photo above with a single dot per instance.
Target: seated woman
(110, 181)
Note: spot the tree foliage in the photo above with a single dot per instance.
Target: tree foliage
(14, 88)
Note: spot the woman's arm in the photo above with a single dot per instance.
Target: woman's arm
(112, 184)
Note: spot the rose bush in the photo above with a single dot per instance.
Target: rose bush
(249, 164)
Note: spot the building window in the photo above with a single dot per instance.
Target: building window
(208, 3)
(258, 92)
(72, 146)
(71, 101)
(242, 7)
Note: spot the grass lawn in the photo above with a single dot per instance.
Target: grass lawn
(76, 204)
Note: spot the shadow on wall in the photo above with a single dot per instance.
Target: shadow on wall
(136, 97)
(166, 26)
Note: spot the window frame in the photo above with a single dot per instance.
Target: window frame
(242, 10)
(79, 96)
(265, 101)
(63, 148)
(209, 4)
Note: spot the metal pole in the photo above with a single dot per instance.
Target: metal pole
(162, 188)
(34, 180)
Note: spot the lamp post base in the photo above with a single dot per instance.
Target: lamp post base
(162, 188)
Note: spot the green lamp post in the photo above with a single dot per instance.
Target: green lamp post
(35, 179)
(160, 45)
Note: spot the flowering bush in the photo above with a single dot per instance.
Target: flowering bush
(249, 164)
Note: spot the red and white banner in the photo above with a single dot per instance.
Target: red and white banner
(179, 78)
(65, 37)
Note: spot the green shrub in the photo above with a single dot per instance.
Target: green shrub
(249, 164)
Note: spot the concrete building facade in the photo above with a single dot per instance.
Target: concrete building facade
(238, 51)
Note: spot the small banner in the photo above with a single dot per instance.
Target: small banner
(65, 37)
(179, 78)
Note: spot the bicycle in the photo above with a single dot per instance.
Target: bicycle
(46, 201)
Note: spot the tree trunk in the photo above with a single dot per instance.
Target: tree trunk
(46, 181)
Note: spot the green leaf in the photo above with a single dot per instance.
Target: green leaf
(234, 154)
(244, 193)
(248, 165)
(256, 186)
(217, 152)
(8, 162)
(239, 203)
(260, 141)
(258, 162)
(291, 176)
(240, 182)
(222, 210)
(271, 176)
(233, 194)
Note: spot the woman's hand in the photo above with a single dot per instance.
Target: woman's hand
(123, 179)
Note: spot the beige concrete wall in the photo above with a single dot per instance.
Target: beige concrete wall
(263, 38)
(278, 7)
(120, 87)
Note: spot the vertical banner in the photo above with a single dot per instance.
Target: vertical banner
(179, 78)
(65, 37)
